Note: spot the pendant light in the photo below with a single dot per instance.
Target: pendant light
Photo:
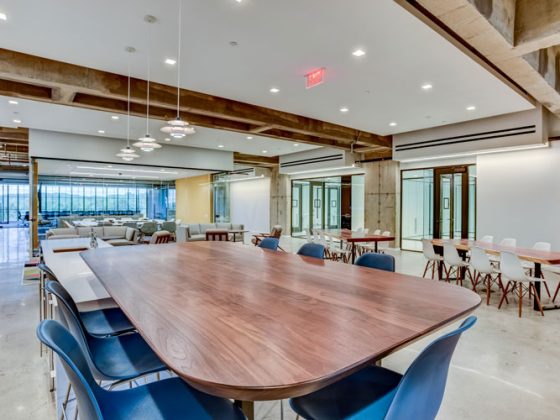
(178, 128)
(128, 153)
(148, 143)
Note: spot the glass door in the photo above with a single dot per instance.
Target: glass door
(451, 203)
(332, 206)
(317, 189)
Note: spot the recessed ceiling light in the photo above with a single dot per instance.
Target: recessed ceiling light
(3, 16)
(296, 144)
(115, 117)
(427, 86)
(101, 131)
(17, 121)
(238, 1)
(358, 53)
(167, 139)
(249, 137)
(170, 61)
(220, 146)
(265, 151)
(12, 102)
(392, 124)
(109, 166)
(471, 108)
(344, 109)
(274, 90)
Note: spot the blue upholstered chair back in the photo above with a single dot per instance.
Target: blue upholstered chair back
(63, 343)
(421, 389)
(269, 243)
(380, 261)
(312, 250)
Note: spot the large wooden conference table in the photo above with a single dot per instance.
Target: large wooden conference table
(353, 237)
(538, 258)
(252, 324)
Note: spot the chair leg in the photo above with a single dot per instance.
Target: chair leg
(488, 279)
(504, 293)
(556, 293)
(433, 269)
(532, 286)
(520, 298)
(546, 288)
(426, 268)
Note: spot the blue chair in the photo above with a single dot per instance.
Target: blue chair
(379, 393)
(99, 323)
(269, 243)
(165, 399)
(115, 358)
(312, 250)
(379, 261)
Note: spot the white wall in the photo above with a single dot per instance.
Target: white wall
(358, 198)
(250, 204)
(518, 195)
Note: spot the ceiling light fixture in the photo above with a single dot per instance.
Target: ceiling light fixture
(101, 131)
(148, 143)
(274, 90)
(265, 151)
(427, 86)
(178, 128)
(471, 108)
(167, 139)
(358, 53)
(249, 137)
(3, 16)
(128, 153)
(17, 121)
(344, 109)
(393, 124)
(296, 144)
(12, 102)
(170, 61)
(115, 117)
(220, 146)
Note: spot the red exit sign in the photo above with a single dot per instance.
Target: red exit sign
(316, 77)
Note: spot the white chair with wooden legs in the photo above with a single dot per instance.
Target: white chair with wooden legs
(553, 269)
(323, 241)
(513, 271)
(487, 239)
(308, 236)
(433, 259)
(455, 264)
(484, 272)
(338, 253)
(511, 242)
(530, 267)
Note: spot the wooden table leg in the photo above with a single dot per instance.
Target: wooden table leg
(353, 252)
(248, 408)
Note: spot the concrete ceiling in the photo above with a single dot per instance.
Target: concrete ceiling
(277, 43)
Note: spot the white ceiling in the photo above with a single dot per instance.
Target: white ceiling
(113, 171)
(46, 116)
(278, 42)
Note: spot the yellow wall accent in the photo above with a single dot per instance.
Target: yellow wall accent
(194, 199)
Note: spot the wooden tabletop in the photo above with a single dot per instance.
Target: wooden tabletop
(527, 254)
(353, 236)
(252, 324)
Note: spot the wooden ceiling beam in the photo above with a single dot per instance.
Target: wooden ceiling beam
(67, 83)
(255, 160)
(10, 168)
(18, 134)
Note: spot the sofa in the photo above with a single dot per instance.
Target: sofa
(71, 219)
(197, 231)
(114, 235)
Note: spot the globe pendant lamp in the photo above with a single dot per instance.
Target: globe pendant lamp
(178, 128)
(148, 143)
(127, 153)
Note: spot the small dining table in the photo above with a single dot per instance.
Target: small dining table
(538, 258)
(253, 324)
(353, 237)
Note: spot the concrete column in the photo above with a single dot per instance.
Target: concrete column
(280, 201)
(382, 197)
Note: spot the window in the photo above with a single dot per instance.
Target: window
(417, 208)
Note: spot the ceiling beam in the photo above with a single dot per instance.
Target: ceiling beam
(255, 160)
(9, 133)
(38, 78)
(486, 31)
(10, 168)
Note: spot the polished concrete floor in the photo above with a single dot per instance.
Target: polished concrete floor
(505, 367)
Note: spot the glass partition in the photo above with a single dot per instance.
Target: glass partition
(417, 208)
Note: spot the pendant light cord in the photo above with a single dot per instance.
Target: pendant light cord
(179, 57)
(128, 108)
(148, 89)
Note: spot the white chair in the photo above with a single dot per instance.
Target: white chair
(366, 231)
(323, 241)
(513, 270)
(383, 246)
(308, 236)
(511, 242)
(484, 272)
(553, 269)
(338, 253)
(539, 246)
(315, 233)
(487, 238)
(455, 264)
(432, 258)
(377, 232)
